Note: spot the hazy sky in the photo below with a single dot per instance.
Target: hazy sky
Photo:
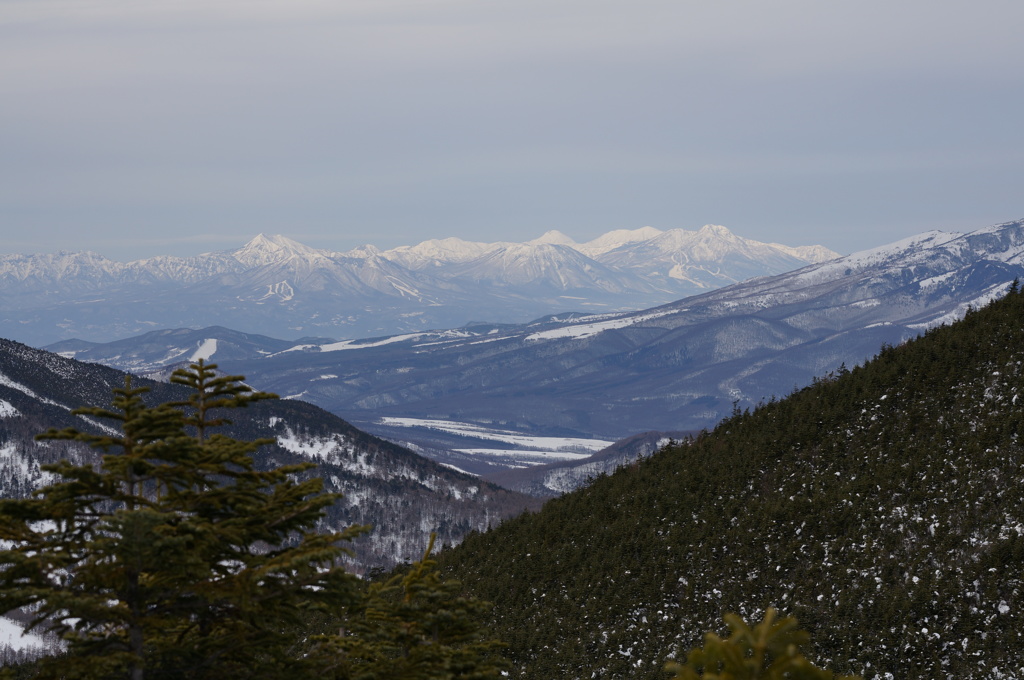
(137, 128)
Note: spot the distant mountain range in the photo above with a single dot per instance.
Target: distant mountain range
(276, 286)
(403, 495)
(680, 366)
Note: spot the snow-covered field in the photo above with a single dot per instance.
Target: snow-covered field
(11, 634)
(516, 440)
(511, 449)
(527, 456)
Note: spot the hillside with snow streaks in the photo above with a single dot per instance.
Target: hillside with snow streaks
(276, 286)
(384, 485)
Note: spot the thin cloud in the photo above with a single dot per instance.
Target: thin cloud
(436, 117)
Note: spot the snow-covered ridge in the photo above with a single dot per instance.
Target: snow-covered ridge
(276, 286)
(267, 251)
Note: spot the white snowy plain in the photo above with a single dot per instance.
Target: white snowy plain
(12, 635)
(527, 442)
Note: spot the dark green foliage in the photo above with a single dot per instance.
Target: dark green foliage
(768, 651)
(174, 557)
(414, 626)
(882, 506)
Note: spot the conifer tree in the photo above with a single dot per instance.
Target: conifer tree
(414, 626)
(174, 557)
(768, 651)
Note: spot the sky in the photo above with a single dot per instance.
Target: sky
(134, 129)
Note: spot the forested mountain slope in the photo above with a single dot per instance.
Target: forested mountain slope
(404, 496)
(883, 507)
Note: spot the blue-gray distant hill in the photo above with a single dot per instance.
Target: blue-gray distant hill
(680, 366)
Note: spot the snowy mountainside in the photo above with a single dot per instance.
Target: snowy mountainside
(435, 253)
(551, 265)
(403, 495)
(619, 238)
(709, 258)
(681, 366)
(883, 507)
(273, 285)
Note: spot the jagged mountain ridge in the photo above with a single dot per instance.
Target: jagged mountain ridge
(882, 507)
(273, 285)
(680, 366)
(402, 494)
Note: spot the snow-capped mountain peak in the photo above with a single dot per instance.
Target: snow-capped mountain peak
(553, 237)
(273, 283)
(363, 252)
(439, 252)
(615, 239)
(263, 250)
(812, 254)
(716, 230)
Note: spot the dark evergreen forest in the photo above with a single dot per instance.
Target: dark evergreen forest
(882, 506)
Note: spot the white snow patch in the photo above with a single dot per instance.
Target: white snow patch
(319, 448)
(206, 350)
(505, 436)
(14, 636)
(355, 344)
(936, 280)
(526, 456)
(297, 348)
(458, 469)
(6, 410)
(586, 330)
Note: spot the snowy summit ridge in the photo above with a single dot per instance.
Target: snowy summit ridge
(278, 286)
